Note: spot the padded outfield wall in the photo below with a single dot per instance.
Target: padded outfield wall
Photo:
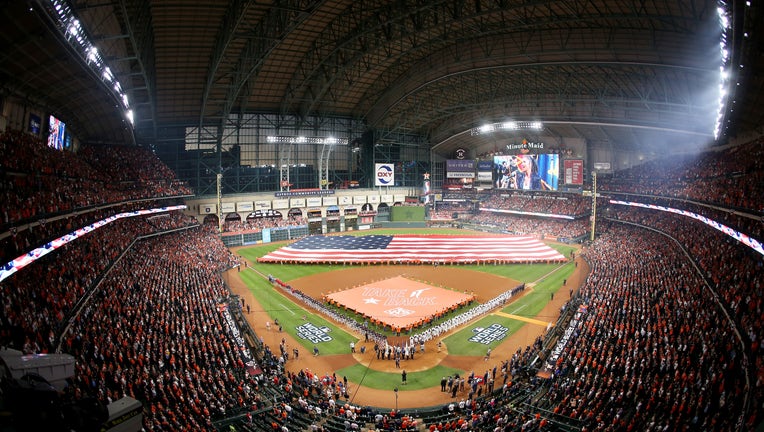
(407, 214)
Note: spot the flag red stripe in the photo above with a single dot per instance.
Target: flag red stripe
(430, 248)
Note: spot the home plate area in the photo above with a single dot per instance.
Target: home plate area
(400, 303)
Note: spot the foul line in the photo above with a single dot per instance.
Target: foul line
(531, 320)
(541, 279)
(521, 318)
(266, 277)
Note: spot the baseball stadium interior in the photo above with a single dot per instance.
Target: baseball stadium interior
(386, 170)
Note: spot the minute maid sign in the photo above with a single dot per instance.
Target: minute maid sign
(384, 174)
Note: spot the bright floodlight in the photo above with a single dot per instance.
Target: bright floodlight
(74, 33)
(507, 125)
(486, 128)
(306, 140)
(724, 75)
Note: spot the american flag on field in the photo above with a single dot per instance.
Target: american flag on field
(414, 248)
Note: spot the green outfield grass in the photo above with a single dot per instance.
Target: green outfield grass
(287, 272)
(545, 279)
(532, 302)
(388, 381)
(290, 316)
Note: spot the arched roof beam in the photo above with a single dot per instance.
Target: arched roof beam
(382, 41)
(137, 24)
(613, 46)
(529, 95)
(283, 17)
(231, 23)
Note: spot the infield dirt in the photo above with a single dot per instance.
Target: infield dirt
(484, 286)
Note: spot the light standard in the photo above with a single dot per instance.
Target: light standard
(396, 400)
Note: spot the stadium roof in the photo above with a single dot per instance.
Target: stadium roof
(634, 74)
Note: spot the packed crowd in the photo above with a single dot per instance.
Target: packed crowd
(569, 229)
(34, 312)
(731, 177)
(745, 222)
(154, 331)
(37, 181)
(22, 239)
(489, 401)
(654, 351)
(733, 270)
(490, 214)
(252, 224)
(445, 211)
(549, 203)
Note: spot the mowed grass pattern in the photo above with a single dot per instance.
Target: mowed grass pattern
(290, 316)
(371, 378)
(532, 302)
(545, 279)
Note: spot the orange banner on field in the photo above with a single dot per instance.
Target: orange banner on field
(399, 302)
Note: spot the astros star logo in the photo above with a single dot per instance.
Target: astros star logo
(371, 300)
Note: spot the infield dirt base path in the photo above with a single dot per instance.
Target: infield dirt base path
(484, 288)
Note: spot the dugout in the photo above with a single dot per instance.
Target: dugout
(315, 222)
(351, 222)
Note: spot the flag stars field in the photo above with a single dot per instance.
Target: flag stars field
(415, 249)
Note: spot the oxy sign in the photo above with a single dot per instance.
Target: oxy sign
(385, 175)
